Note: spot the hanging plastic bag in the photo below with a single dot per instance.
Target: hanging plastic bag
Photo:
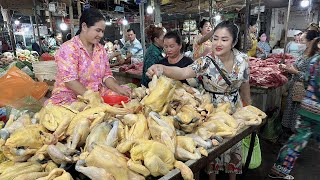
(16, 84)
(256, 154)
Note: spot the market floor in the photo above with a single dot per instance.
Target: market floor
(306, 168)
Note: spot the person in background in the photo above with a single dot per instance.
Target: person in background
(20, 45)
(294, 47)
(202, 44)
(298, 71)
(108, 46)
(264, 48)
(252, 42)
(235, 68)
(83, 64)
(52, 42)
(154, 51)
(36, 47)
(309, 121)
(116, 46)
(132, 48)
(172, 44)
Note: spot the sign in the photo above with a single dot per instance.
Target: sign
(52, 7)
(119, 9)
(255, 10)
(140, 1)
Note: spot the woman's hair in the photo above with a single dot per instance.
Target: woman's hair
(252, 22)
(173, 35)
(231, 27)
(313, 36)
(154, 32)
(90, 17)
(202, 23)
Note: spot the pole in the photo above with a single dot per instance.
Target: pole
(286, 28)
(71, 17)
(157, 12)
(50, 17)
(246, 26)
(9, 25)
(33, 31)
(210, 12)
(37, 25)
(143, 41)
(79, 9)
(258, 20)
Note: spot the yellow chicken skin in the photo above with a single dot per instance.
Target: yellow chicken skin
(162, 94)
(51, 116)
(157, 158)
(112, 161)
(30, 137)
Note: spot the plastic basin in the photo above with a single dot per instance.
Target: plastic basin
(115, 99)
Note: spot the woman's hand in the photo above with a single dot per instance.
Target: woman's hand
(124, 91)
(291, 69)
(155, 69)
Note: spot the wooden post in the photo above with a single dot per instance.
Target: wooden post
(71, 18)
(247, 16)
(9, 25)
(33, 31)
(157, 12)
(79, 9)
(286, 27)
(37, 25)
(143, 38)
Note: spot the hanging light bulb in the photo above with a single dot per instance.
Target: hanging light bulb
(304, 3)
(149, 10)
(16, 22)
(109, 23)
(217, 17)
(63, 26)
(125, 22)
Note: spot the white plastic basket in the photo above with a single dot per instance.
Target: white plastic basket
(45, 70)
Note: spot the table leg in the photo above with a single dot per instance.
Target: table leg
(246, 166)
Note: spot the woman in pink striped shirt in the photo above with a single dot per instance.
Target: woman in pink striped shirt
(83, 63)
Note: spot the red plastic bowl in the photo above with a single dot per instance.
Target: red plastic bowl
(115, 99)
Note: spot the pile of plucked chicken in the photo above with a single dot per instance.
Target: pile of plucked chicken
(159, 129)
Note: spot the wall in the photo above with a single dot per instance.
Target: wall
(298, 20)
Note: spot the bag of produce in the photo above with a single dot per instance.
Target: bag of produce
(16, 84)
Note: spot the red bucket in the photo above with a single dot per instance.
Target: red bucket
(115, 99)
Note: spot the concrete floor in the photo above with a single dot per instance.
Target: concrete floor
(306, 168)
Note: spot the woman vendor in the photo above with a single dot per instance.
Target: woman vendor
(225, 75)
(154, 51)
(202, 44)
(83, 64)
(252, 42)
(172, 43)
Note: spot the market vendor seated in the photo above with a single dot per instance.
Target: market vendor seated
(82, 63)
(132, 51)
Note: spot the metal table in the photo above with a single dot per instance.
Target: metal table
(197, 165)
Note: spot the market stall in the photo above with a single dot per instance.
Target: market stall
(197, 165)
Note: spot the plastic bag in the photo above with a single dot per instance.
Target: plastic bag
(16, 84)
(256, 154)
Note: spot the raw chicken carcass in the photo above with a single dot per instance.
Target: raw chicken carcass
(92, 172)
(157, 158)
(111, 160)
(97, 135)
(160, 96)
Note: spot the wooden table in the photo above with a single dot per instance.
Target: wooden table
(197, 165)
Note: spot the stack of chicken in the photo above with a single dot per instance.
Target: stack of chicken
(153, 133)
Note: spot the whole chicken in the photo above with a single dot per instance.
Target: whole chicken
(160, 95)
(111, 160)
